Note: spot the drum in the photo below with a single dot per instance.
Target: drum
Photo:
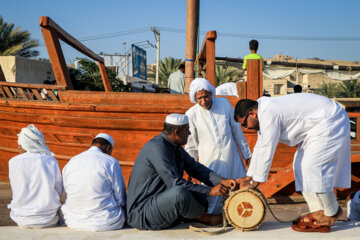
(245, 209)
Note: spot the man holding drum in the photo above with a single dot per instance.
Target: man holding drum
(320, 128)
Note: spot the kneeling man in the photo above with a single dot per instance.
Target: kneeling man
(158, 196)
(95, 188)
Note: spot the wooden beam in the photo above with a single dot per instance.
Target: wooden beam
(278, 181)
(254, 78)
(57, 59)
(48, 23)
(105, 77)
(26, 85)
(192, 23)
(210, 57)
(241, 89)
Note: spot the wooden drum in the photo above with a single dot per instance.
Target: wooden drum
(244, 209)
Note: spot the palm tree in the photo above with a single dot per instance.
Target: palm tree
(14, 42)
(349, 89)
(166, 67)
(224, 74)
(329, 90)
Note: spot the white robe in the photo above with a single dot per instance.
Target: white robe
(320, 127)
(215, 138)
(36, 185)
(95, 192)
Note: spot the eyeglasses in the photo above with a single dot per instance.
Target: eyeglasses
(244, 122)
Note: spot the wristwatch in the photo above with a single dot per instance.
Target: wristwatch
(252, 183)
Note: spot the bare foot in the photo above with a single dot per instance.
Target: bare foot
(210, 219)
(327, 220)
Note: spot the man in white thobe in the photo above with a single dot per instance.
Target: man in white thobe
(321, 129)
(176, 81)
(95, 188)
(36, 182)
(215, 136)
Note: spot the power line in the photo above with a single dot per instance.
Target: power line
(221, 34)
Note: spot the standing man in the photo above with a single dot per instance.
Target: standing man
(158, 195)
(176, 81)
(36, 182)
(216, 137)
(253, 46)
(322, 162)
(95, 188)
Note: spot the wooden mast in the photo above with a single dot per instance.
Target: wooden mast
(192, 23)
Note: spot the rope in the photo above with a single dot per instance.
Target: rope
(265, 202)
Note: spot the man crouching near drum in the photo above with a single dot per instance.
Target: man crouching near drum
(158, 195)
(320, 127)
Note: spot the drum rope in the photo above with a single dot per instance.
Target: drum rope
(265, 202)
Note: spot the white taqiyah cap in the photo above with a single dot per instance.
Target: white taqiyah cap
(177, 119)
(107, 137)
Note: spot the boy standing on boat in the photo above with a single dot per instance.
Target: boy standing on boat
(253, 46)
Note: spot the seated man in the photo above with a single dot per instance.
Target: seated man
(36, 182)
(158, 196)
(353, 206)
(95, 188)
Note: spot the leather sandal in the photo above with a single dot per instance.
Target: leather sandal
(302, 226)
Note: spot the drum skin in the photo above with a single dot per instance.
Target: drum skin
(244, 209)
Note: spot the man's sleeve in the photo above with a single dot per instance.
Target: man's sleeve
(163, 161)
(118, 184)
(200, 172)
(191, 146)
(58, 179)
(264, 150)
(238, 133)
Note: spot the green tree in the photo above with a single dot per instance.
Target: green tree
(89, 77)
(14, 42)
(329, 90)
(166, 67)
(349, 89)
(224, 74)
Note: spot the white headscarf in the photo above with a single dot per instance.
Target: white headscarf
(32, 140)
(200, 84)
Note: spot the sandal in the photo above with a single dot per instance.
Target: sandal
(302, 226)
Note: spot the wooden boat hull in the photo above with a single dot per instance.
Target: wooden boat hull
(131, 118)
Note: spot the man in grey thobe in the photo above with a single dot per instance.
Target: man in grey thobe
(158, 196)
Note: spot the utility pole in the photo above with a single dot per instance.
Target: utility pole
(126, 65)
(157, 38)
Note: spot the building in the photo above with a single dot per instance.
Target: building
(25, 70)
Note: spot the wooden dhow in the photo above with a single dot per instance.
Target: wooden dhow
(71, 119)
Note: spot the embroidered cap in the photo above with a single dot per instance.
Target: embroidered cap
(106, 137)
(177, 119)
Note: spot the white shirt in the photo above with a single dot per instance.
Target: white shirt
(176, 82)
(215, 137)
(227, 89)
(36, 184)
(320, 127)
(95, 192)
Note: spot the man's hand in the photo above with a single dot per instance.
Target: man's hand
(230, 183)
(219, 189)
(245, 183)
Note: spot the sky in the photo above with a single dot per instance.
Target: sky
(326, 29)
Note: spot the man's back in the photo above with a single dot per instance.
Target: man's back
(176, 82)
(95, 192)
(37, 187)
